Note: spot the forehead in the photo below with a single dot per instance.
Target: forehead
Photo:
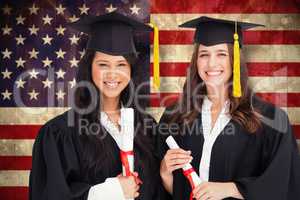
(217, 47)
(103, 56)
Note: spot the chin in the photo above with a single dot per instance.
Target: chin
(214, 81)
(110, 94)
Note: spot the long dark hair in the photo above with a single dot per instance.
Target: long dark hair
(97, 154)
(240, 110)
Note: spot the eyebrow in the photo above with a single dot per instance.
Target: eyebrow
(122, 60)
(102, 61)
(222, 50)
(203, 51)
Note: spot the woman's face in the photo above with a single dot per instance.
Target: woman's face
(111, 74)
(213, 64)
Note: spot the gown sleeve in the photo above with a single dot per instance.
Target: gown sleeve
(56, 172)
(280, 179)
(55, 167)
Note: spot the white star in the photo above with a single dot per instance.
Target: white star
(60, 30)
(20, 39)
(72, 83)
(20, 62)
(134, 9)
(33, 30)
(6, 30)
(73, 18)
(60, 54)
(6, 74)
(60, 73)
(47, 62)
(6, 10)
(82, 53)
(6, 53)
(20, 19)
(83, 9)
(74, 39)
(74, 62)
(33, 74)
(20, 83)
(6, 95)
(47, 83)
(60, 9)
(47, 19)
(33, 94)
(33, 9)
(33, 53)
(110, 8)
(60, 95)
(47, 39)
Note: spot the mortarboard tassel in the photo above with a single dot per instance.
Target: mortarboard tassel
(237, 92)
(156, 79)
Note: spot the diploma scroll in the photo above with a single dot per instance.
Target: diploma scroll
(127, 130)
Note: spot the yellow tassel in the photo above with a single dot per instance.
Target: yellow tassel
(156, 79)
(237, 91)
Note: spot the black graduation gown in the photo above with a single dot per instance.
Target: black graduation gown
(57, 166)
(264, 165)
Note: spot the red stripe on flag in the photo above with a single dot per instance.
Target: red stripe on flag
(171, 69)
(14, 193)
(24, 163)
(282, 99)
(296, 131)
(15, 162)
(19, 131)
(222, 6)
(163, 99)
(273, 69)
(250, 37)
(254, 69)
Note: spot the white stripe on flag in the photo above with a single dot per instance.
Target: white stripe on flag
(28, 115)
(16, 147)
(155, 111)
(14, 178)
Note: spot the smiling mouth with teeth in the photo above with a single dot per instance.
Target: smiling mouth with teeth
(214, 73)
(111, 84)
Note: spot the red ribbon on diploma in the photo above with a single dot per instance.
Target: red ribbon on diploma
(124, 159)
(188, 175)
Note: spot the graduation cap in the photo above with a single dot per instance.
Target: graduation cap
(113, 33)
(212, 31)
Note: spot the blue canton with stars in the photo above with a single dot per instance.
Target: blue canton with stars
(40, 53)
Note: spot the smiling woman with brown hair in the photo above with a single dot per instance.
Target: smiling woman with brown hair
(241, 146)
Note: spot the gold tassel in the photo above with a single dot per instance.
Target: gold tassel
(156, 79)
(237, 91)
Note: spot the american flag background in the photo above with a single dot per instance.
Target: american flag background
(40, 54)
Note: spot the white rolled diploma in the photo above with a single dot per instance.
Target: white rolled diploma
(127, 130)
(173, 145)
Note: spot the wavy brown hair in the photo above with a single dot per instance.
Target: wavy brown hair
(188, 107)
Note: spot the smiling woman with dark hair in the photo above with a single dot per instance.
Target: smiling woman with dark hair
(240, 146)
(85, 160)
